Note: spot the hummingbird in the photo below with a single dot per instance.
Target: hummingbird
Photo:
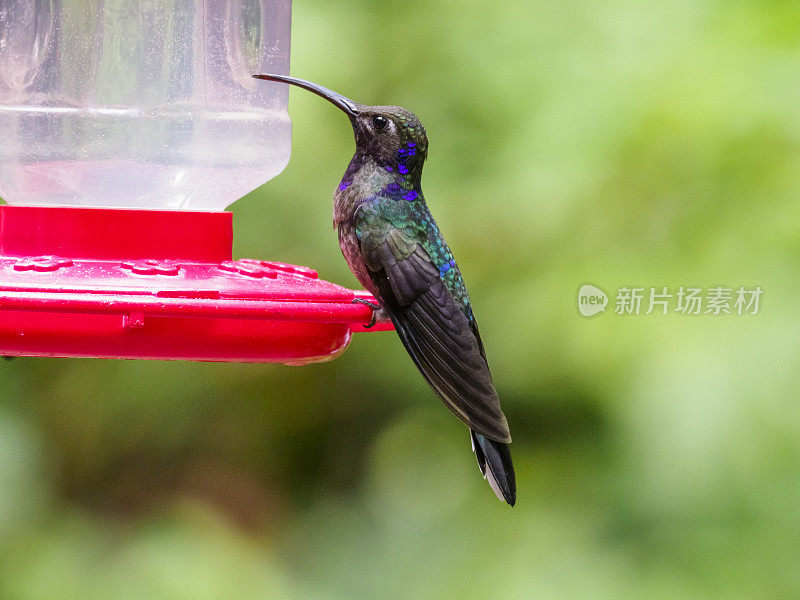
(394, 247)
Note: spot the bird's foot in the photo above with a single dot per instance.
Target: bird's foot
(377, 311)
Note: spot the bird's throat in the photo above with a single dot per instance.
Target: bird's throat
(364, 180)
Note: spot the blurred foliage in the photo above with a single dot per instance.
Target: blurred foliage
(615, 143)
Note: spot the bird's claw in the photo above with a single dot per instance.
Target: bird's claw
(375, 309)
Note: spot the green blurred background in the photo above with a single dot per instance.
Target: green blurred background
(618, 143)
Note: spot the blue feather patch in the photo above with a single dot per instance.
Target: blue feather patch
(447, 266)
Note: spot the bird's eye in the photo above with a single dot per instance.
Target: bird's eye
(379, 122)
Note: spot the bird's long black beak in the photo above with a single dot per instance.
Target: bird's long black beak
(348, 106)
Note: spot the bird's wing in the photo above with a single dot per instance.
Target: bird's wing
(431, 324)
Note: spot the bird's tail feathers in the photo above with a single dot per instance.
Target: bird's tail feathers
(494, 460)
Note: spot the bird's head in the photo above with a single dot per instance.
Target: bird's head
(391, 135)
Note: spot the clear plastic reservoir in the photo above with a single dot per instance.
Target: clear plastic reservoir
(141, 103)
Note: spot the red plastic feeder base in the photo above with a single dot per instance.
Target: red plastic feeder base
(152, 284)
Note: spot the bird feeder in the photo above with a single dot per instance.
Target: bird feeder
(126, 129)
